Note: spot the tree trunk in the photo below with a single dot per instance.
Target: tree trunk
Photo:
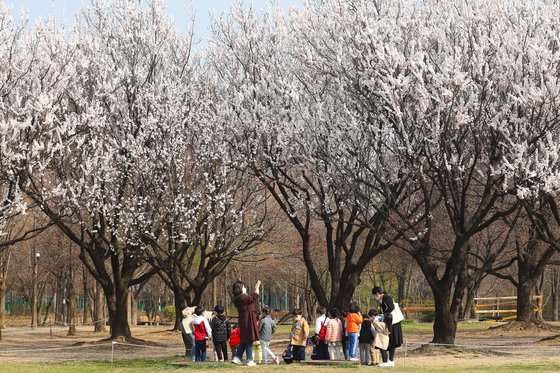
(346, 292)
(214, 293)
(86, 284)
(133, 309)
(59, 295)
(4, 268)
(471, 295)
(402, 277)
(35, 290)
(129, 308)
(72, 297)
(554, 293)
(445, 326)
(47, 311)
(98, 307)
(2, 302)
(180, 304)
(117, 302)
(525, 290)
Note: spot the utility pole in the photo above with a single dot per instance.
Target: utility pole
(35, 295)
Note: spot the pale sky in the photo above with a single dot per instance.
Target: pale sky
(66, 9)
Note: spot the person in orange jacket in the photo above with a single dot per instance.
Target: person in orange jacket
(353, 322)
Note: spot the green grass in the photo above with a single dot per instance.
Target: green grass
(166, 365)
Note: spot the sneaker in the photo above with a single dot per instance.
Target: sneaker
(354, 359)
(236, 360)
(251, 363)
(392, 363)
(275, 358)
(385, 365)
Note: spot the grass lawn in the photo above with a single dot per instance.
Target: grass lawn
(166, 365)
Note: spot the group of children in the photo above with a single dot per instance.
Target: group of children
(340, 335)
(202, 327)
(337, 335)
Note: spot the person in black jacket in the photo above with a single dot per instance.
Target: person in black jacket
(395, 330)
(221, 331)
(366, 338)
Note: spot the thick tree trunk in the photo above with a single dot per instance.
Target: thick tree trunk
(98, 308)
(525, 311)
(314, 279)
(117, 302)
(72, 298)
(346, 292)
(180, 304)
(445, 325)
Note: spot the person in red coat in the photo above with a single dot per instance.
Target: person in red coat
(248, 329)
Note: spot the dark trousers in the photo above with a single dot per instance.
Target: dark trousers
(322, 350)
(221, 350)
(188, 340)
(391, 354)
(298, 352)
(200, 350)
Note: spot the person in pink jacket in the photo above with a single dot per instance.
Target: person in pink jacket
(333, 338)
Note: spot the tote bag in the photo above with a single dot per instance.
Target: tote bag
(397, 314)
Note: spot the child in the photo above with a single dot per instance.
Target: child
(267, 327)
(298, 335)
(234, 339)
(344, 342)
(202, 333)
(333, 337)
(221, 331)
(257, 350)
(353, 322)
(375, 355)
(381, 337)
(320, 331)
(366, 339)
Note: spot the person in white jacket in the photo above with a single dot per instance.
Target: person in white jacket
(321, 323)
(187, 332)
(202, 334)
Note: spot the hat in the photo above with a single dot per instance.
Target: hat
(188, 311)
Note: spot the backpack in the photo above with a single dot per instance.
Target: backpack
(235, 338)
(323, 330)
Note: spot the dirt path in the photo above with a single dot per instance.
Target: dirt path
(487, 349)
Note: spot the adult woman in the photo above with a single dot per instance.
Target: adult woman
(248, 329)
(395, 330)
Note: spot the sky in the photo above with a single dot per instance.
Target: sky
(66, 9)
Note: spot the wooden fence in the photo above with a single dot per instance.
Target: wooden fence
(494, 307)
